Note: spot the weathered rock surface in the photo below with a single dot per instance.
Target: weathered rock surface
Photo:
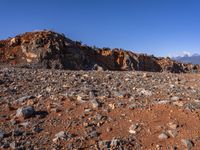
(47, 49)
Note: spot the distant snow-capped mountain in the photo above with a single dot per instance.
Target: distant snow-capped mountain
(194, 59)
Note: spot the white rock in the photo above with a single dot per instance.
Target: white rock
(175, 98)
(95, 103)
(62, 135)
(172, 133)
(163, 136)
(133, 128)
(144, 92)
(173, 125)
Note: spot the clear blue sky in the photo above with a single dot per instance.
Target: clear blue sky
(159, 27)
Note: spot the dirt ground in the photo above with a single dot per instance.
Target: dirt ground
(48, 109)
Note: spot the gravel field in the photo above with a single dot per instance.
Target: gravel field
(54, 109)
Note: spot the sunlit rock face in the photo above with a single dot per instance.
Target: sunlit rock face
(51, 50)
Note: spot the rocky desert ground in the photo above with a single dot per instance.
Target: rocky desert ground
(52, 109)
(57, 94)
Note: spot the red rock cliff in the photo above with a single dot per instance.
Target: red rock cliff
(47, 49)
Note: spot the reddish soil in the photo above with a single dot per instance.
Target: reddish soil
(96, 110)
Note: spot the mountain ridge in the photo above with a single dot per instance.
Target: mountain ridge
(194, 59)
(51, 50)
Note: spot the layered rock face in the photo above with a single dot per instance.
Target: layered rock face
(47, 49)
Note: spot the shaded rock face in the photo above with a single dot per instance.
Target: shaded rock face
(149, 63)
(47, 49)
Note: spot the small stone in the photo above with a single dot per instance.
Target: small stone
(87, 110)
(178, 103)
(62, 135)
(27, 133)
(171, 86)
(48, 89)
(9, 107)
(95, 103)
(127, 79)
(56, 109)
(144, 92)
(25, 124)
(133, 128)
(114, 142)
(172, 133)
(24, 98)
(25, 112)
(13, 145)
(2, 134)
(108, 129)
(37, 129)
(92, 95)
(163, 136)
(175, 98)
(80, 99)
(187, 143)
(85, 124)
(174, 148)
(5, 146)
(132, 106)
(97, 68)
(120, 105)
(173, 125)
(13, 122)
(162, 102)
(158, 147)
(112, 106)
(93, 134)
(118, 94)
(104, 144)
(146, 75)
(17, 133)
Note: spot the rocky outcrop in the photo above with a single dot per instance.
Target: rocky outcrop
(44, 49)
(47, 49)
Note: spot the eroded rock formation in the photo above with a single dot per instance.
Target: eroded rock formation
(47, 49)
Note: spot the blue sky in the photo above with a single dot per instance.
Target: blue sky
(159, 27)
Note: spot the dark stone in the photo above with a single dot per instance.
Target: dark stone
(17, 133)
(26, 112)
(2, 134)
